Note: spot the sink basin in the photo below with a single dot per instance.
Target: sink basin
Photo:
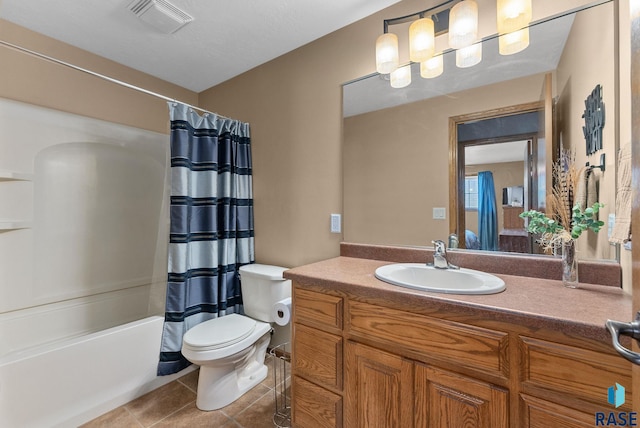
(427, 278)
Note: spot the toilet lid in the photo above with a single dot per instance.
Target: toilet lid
(219, 332)
(274, 273)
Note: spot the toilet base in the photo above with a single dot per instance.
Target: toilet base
(223, 383)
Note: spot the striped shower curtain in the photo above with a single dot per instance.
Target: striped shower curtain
(211, 224)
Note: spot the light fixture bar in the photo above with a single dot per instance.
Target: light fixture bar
(440, 13)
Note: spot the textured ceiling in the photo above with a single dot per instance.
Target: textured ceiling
(225, 39)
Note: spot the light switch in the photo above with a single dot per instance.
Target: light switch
(439, 213)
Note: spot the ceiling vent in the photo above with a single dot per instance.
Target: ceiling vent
(160, 14)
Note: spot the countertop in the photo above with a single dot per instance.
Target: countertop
(537, 303)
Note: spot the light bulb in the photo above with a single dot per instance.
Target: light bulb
(422, 40)
(463, 24)
(513, 15)
(511, 43)
(469, 56)
(433, 67)
(387, 53)
(401, 77)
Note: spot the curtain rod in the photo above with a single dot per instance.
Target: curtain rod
(102, 76)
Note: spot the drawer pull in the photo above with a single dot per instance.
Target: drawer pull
(617, 328)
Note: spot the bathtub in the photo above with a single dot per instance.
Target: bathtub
(67, 383)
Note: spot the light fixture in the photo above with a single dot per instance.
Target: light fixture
(512, 20)
(433, 67)
(387, 58)
(513, 15)
(401, 76)
(511, 43)
(463, 24)
(422, 32)
(459, 20)
(469, 56)
(422, 40)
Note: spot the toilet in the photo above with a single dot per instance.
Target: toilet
(230, 350)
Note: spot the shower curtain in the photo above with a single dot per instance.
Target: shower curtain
(487, 212)
(211, 224)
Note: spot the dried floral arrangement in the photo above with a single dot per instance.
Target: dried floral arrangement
(566, 219)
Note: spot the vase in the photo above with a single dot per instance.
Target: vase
(569, 264)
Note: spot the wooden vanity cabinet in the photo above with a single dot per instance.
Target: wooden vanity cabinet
(417, 363)
(387, 390)
(363, 364)
(317, 360)
(564, 385)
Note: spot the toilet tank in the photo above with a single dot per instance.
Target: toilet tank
(262, 286)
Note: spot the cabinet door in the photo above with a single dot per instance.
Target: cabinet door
(449, 400)
(379, 388)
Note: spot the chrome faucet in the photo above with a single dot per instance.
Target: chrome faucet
(440, 256)
(453, 241)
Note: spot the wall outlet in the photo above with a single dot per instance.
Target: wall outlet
(611, 221)
(439, 213)
(336, 223)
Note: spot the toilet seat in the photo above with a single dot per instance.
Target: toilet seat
(219, 332)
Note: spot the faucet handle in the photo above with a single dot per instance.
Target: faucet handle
(439, 246)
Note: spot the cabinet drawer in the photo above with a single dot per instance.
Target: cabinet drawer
(317, 308)
(537, 413)
(579, 372)
(470, 346)
(317, 356)
(314, 407)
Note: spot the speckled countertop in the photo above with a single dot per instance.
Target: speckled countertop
(538, 303)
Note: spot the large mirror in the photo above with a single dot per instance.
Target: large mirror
(413, 155)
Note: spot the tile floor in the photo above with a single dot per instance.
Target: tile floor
(174, 405)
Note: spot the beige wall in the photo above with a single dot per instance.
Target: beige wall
(390, 198)
(36, 81)
(573, 88)
(297, 159)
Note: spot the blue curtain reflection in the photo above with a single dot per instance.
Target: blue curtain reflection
(487, 212)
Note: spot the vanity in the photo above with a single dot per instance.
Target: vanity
(370, 354)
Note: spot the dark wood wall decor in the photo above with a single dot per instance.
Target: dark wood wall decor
(594, 117)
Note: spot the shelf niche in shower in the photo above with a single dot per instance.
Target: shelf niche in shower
(6, 225)
(15, 176)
